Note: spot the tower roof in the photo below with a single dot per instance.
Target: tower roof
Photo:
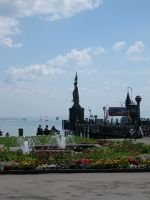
(138, 99)
(128, 100)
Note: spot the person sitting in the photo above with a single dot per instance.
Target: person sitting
(39, 130)
(46, 130)
(54, 130)
(7, 134)
(1, 133)
(131, 133)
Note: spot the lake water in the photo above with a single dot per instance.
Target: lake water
(29, 125)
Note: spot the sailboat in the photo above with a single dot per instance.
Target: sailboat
(46, 120)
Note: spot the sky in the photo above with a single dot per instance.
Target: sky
(44, 43)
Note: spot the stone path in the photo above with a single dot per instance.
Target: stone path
(103, 186)
(145, 140)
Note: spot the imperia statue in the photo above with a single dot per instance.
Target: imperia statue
(75, 92)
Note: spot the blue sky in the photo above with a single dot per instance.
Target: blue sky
(44, 43)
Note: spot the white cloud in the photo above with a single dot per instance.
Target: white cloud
(74, 58)
(87, 72)
(55, 9)
(8, 27)
(7, 42)
(119, 45)
(12, 11)
(134, 52)
(31, 72)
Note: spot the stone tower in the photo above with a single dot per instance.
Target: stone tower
(133, 109)
(138, 100)
(76, 112)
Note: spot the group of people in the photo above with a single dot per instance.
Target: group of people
(1, 133)
(46, 130)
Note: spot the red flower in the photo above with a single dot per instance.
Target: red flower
(133, 161)
(83, 161)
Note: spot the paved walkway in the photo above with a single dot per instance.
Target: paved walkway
(103, 186)
(145, 140)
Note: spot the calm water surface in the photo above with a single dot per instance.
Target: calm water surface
(29, 125)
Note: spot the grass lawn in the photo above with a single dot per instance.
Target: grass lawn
(13, 141)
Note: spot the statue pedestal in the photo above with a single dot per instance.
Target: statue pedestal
(76, 118)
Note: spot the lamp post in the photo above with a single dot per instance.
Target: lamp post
(90, 113)
(86, 126)
(104, 110)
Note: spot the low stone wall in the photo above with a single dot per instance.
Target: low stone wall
(74, 171)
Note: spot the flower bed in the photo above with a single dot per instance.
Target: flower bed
(108, 156)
